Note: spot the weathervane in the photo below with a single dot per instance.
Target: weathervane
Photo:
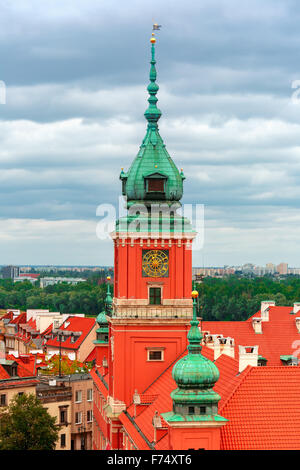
(156, 27)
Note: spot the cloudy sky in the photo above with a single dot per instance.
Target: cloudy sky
(76, 73)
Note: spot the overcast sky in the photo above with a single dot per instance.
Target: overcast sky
(76, 73)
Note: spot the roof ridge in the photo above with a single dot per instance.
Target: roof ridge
(241, 379)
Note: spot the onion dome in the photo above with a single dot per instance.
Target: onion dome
(102, 331)
(153, 176)
(101, 319)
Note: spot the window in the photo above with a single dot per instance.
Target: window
(63, 416)
(78, 396)
(90, 394)
(74, 338)
(20, 394)
(62, 440)
(156, 185)
(155, 295)
(191, 410)
(155, 355)
(78, 417)
(89, 415)
(202, 410)
(2, 400)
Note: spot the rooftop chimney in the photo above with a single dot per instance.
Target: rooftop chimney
(248, 356)
(223, 346)
(296, 307)
(264, 309)
(257, 324)
(159, 430)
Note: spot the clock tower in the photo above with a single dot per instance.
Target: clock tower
(152, 305)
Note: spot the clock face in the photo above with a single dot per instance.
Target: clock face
(155, 263)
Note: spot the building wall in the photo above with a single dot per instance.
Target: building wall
(130, 341)
(196, 438)
(54, 410)
(129, 282)
(84, 429)
(11, 391)
(100, 423)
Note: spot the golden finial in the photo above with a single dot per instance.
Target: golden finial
(153, 40)
(195, 294)
(108, 278)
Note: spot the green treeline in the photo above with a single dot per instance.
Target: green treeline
(236, 298)
(85, 297)
(231, 298)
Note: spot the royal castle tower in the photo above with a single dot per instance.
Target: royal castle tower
(152, 304)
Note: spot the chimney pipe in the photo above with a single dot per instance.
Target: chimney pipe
(264, 309)
(248, 356)
(296, 307)
(257, 325)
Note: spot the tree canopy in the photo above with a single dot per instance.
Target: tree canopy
(26, 425)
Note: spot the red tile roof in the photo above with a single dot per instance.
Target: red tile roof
(264, 410)
(3, 373)
(91, 356)
(277, 338)
(82, 324)
(19, 319)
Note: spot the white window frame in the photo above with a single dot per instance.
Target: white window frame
(89, 412)
(80, 393)
(78, 414)
(154, 349)
(90, 394)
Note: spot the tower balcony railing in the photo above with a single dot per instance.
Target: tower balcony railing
(145, 312)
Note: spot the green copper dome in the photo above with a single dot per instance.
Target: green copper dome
(195, 371)
(153, 176)
(101, 318)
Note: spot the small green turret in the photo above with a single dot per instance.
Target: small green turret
(102, 331)
(195, 376)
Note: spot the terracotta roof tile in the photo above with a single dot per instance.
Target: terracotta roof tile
(264, 410)
(81, 324)
(278, 337)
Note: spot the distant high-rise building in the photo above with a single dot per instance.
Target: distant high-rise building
(10, 272)
(270, 268)
(282, 268)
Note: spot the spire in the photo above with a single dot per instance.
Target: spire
(194, 335)
(108, 299)
(152, 161)
(152, 114)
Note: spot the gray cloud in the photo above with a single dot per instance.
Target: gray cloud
(76, 74)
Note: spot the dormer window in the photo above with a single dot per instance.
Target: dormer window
(155, 185)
